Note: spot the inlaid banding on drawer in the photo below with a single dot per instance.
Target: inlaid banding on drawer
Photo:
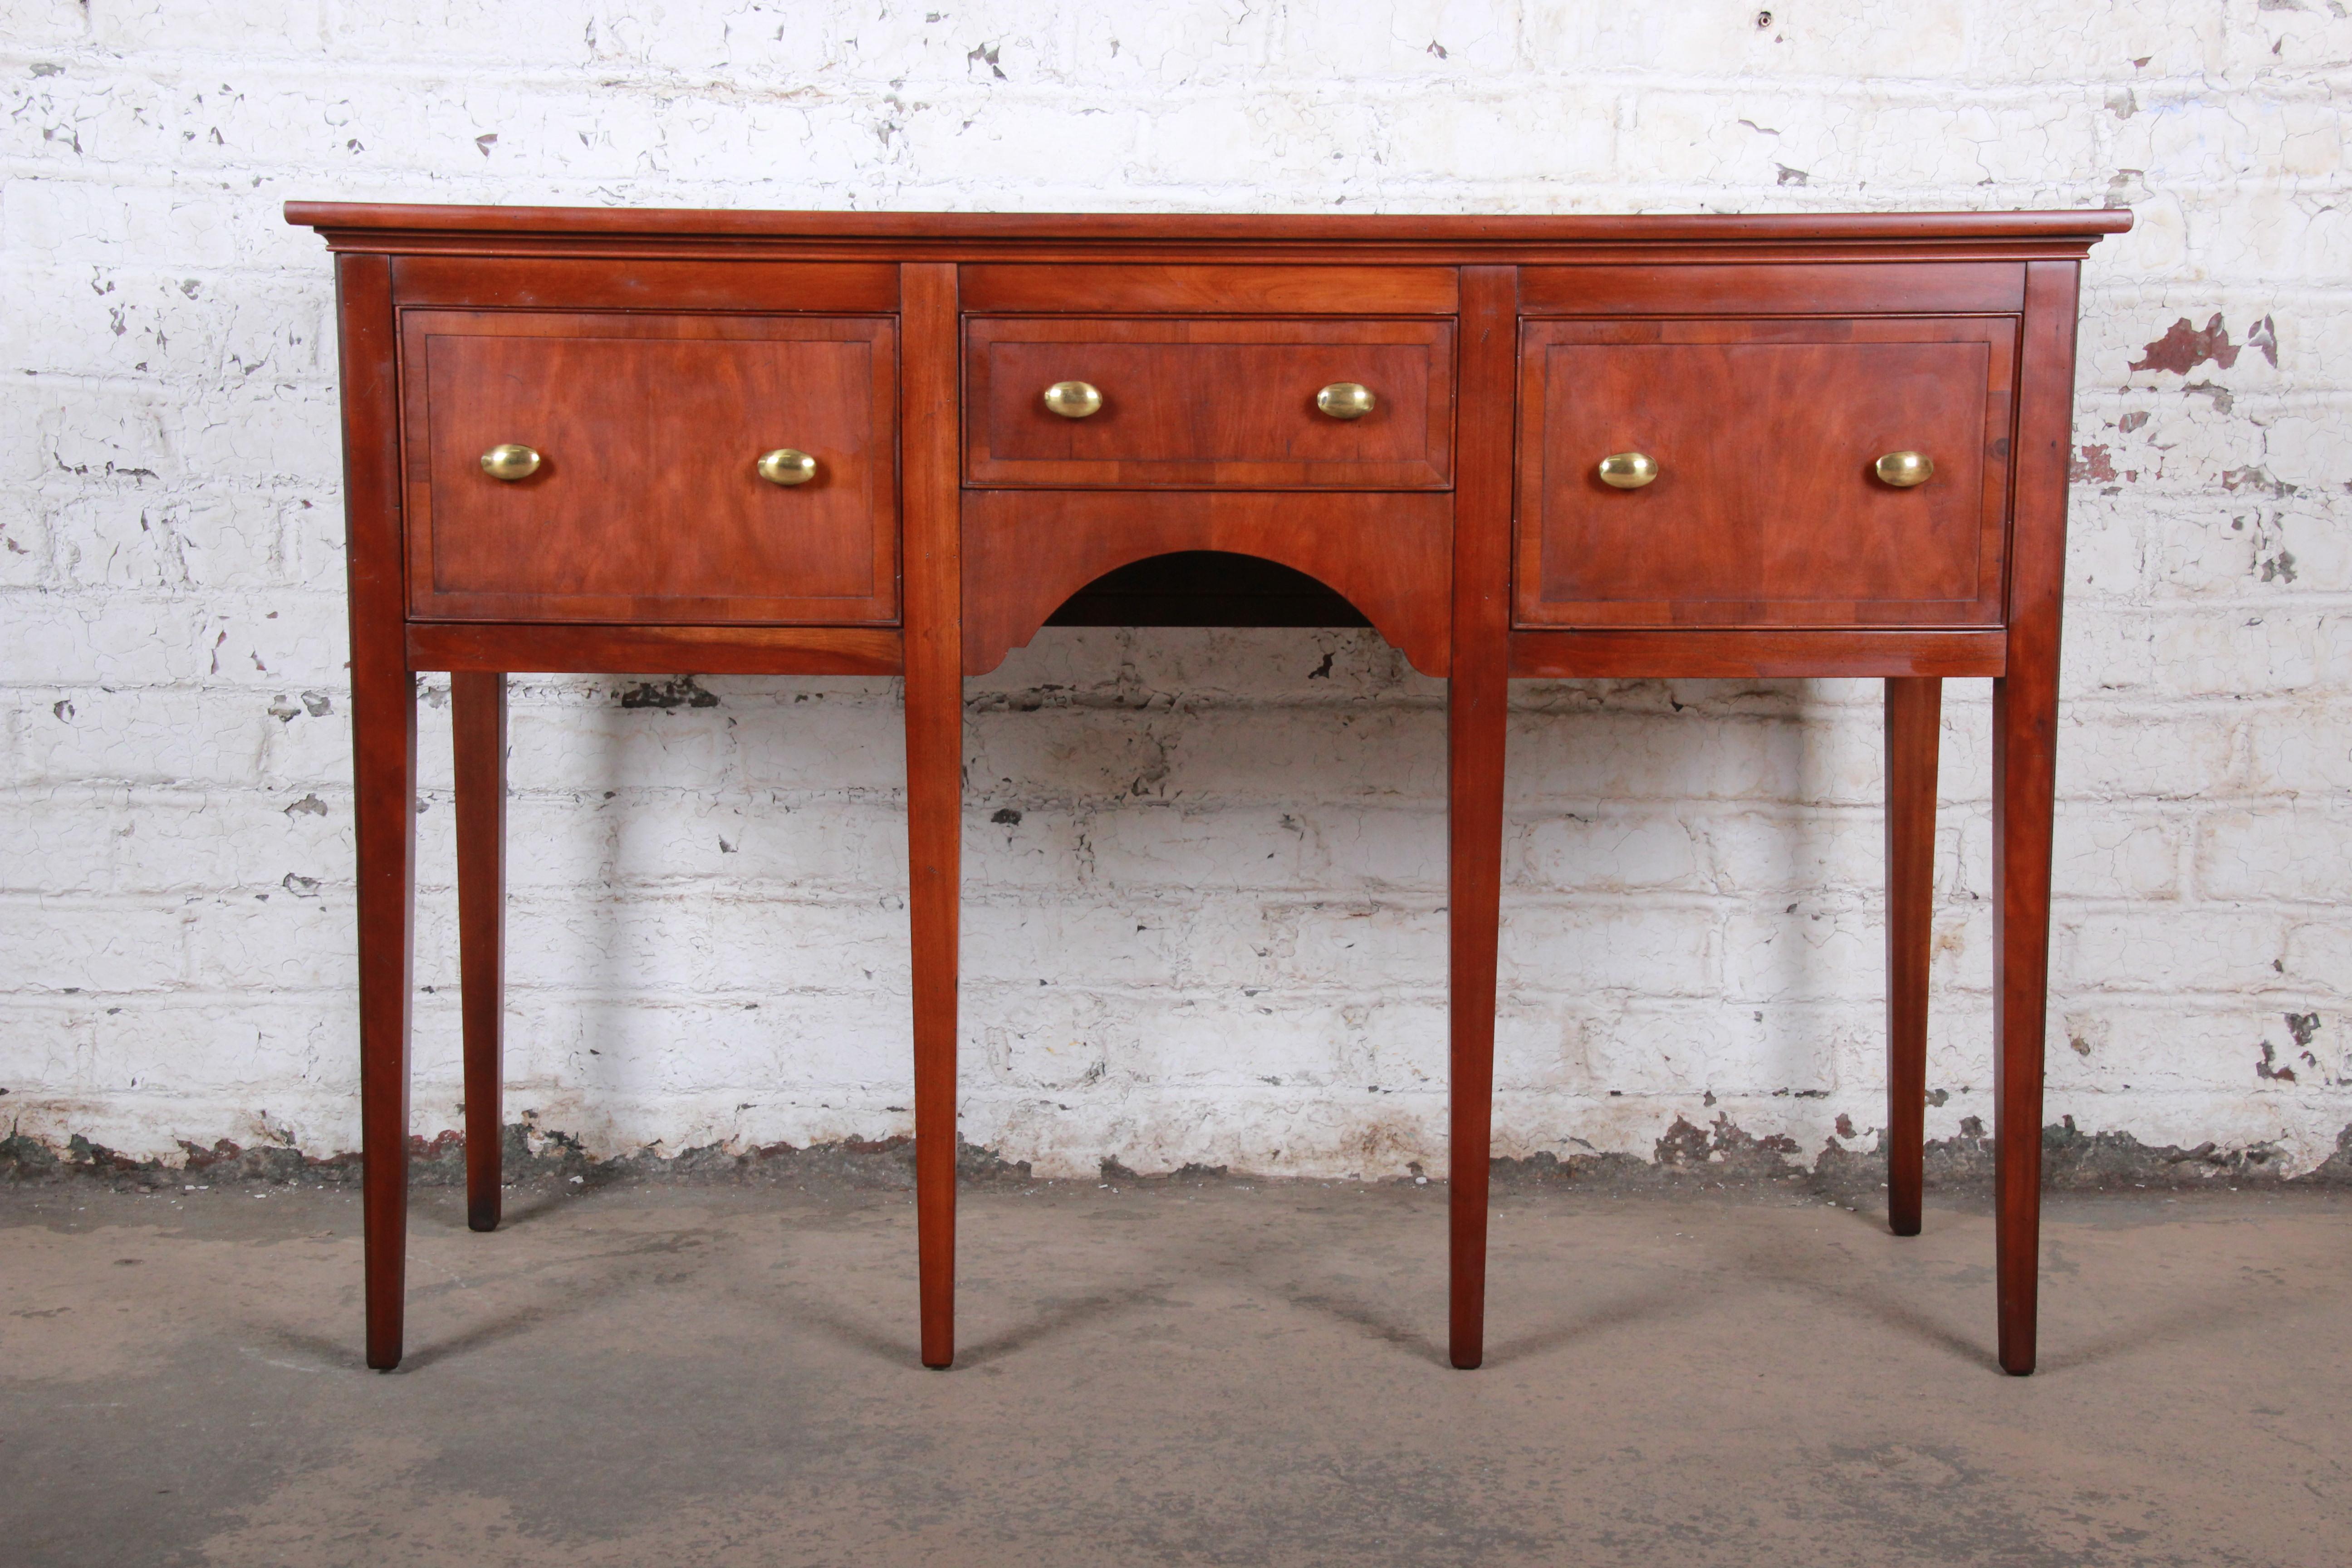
(1208, 403)
(1182, 288)
(1764, 473)
(597, 466)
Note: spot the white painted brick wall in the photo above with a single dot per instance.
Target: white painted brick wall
(1204, 906)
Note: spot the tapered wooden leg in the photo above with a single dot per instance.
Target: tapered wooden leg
(384, 779)
(1474, 734)
(2025, 713)
(934, 844)
(1914, 713)
(383, 739)
(1476, 706)
(478, 703)
(932, 581)
(2025, 776)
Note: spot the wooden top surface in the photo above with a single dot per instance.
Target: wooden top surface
(372, 226)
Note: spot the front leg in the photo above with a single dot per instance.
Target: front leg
(2024, 735)
(383, 781)
(477, 704)
(1914, 711)
(1475, 726)
(1477, 703)
(934, 668)
(383, 748)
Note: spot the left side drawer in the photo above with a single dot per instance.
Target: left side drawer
(647, 503)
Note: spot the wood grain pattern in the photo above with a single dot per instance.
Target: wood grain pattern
(934, 647)
(1134, 288)
(477, 727)
(1766, 510)
(1817, 288)
(1913, 717)
(847, 288)
(1746, 655)
(2025, 767)
(383, 778)
(1026, 553)
(1478, 710)
(654, 650)
(1747, 353)
(648, 506)
(1204, 402)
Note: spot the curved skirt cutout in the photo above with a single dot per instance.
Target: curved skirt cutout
(1026, 554)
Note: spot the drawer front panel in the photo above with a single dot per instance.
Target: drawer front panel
(647, 504)
(1208, 404)
(1766, 508)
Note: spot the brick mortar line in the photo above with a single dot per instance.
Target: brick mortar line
(317, 71)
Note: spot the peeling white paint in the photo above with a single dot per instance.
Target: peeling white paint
(1204, 910)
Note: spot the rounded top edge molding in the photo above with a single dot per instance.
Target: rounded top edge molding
(1470, 230)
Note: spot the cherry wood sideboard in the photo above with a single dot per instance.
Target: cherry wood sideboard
(633, 442)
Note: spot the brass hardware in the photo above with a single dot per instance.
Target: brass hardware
(1627, 470)
(509, 462)
(785, 467)
(1073, 399)
(1346, 400)
(1905, 469)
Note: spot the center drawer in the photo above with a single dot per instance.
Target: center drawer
(1194, 403)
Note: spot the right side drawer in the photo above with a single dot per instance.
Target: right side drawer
(1764, 446)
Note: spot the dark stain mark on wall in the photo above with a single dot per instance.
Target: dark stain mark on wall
(683, 692)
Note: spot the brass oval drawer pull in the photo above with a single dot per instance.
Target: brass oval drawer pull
(786, 467)
(1905, 469)
(1073, 399)
(1628, 470)
(509, 462)
(1346, 400)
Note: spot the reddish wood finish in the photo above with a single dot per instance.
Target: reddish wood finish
(2025, 767)
(841, 287)
(1025, 554)
(1208, 403)
(934, 775)
(383, 778)
(1476, 714)
(1755, 654)
(477, 725)
(1766, 511)
(648, 506)
(1764, 360)
(1162, 238)
(1914, 713)
(654, 650)
(1133, 288)
(1789, 289)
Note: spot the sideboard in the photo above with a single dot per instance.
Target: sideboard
(639, 442)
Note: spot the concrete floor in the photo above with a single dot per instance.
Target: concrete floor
(1231, 1372)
